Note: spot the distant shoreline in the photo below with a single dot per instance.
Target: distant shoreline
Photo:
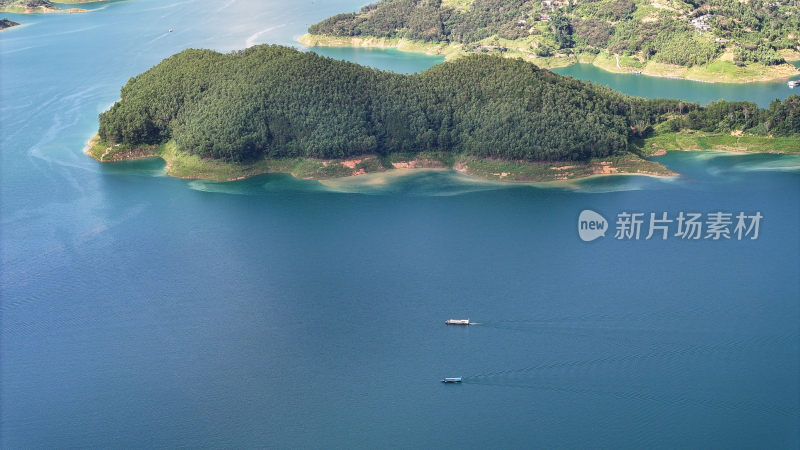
(41, 10)
(717, 72)
(48, 10)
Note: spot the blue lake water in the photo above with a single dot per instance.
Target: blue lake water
(140, 310)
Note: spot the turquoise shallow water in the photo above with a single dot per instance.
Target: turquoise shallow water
(653, 87)
(385, 59)
(145, 311)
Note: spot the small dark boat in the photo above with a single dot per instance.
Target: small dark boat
(451, 380)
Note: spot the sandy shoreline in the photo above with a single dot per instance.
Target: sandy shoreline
(182, 165)
(564, 173)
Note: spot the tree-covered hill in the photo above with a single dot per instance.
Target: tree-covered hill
(681, 32)
(272, 101)
(277, 101)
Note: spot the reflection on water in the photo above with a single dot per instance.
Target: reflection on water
(146, 167)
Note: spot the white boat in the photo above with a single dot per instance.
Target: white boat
(793, 83)
(457, 322)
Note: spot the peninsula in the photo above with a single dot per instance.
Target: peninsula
(6, 23)
(704, 40)
(276, 109)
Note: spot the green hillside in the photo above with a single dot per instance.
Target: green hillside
(721, 40)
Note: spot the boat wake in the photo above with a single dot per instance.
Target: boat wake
(645, 371)
(678, 352)
(687, 398)
(253, 38)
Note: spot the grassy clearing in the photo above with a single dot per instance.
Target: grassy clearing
(617, 64)
(105, 152)
(185, 165)
(430, 160)
(527, 172)
(688, 140)
(630, 62)
(721, 71)
(790, 54)
(608, 62)
(586, 58)
(461, 5)
(728, 72)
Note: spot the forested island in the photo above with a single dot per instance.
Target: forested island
(40, 6)
(705, 40)
(277, 109)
